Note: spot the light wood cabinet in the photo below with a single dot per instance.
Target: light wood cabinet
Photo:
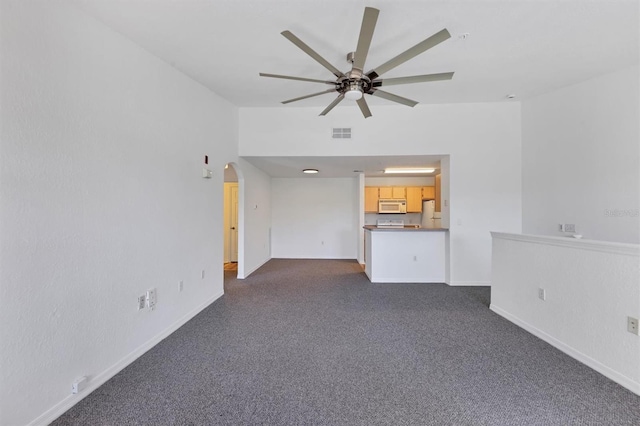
(371, 199)
(414, 199)
(398, 192)
(428, 192)
(385, 192)
(438, 194)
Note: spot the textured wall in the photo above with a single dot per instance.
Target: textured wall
(314, 218)
(581, 159)
(591, 287)
(102, 198)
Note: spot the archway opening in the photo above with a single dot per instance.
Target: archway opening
(232, 206)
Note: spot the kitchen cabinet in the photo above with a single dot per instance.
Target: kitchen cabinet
(385, 192)
(428, 192)
(398, 192)
(414, 199)
(392, 192)
(371, 199)
(438, 193)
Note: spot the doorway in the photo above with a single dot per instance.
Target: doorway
(231, 223)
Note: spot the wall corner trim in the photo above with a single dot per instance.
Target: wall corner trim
(60, 408)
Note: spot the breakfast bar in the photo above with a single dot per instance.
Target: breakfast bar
(407, 254)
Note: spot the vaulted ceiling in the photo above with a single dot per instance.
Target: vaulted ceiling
(498, 47)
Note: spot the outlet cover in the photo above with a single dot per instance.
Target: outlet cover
(181, 286)
(151, 298)
(542, 294)
(142, 300)
(632, 325)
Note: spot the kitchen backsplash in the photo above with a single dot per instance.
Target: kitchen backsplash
(409, 218)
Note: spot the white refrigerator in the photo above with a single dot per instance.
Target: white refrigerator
(430, 219)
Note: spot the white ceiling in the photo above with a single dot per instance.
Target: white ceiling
(524, 47)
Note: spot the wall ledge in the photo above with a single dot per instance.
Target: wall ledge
(581, 244)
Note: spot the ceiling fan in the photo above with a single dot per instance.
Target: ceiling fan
(355, 83)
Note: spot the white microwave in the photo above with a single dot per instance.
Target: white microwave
(392, 206)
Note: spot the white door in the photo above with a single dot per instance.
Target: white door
(233, 232)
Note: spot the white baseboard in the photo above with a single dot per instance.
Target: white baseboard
(621, 379)
(97, 381)
(470, 283)
(246, 274)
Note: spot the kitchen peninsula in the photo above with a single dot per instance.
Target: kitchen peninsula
(407, 254)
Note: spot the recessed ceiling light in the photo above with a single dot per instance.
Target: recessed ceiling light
(310, 171)
(404, 170)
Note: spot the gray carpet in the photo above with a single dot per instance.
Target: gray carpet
(313, 342)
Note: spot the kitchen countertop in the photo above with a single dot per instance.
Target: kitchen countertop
(412, 228)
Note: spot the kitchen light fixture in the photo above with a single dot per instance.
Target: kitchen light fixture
(310, 171)
(403, 170)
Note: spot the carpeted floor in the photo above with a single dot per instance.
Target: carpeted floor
(313, 342)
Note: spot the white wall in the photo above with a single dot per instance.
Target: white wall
(254, 217)
(591, 287)
(482, 139)
(581, 159)
(101, 149)
(314, 218)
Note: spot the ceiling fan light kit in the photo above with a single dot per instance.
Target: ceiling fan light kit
(354, 84)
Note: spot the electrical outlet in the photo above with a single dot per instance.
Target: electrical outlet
(561, 227)
(151, 298)
(202, 275)
(415, 258)
(632, 325)
(181, 286)
(142, 300)
(79, 385)
(542, 294)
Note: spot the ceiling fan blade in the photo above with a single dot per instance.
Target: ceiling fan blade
(309, 51)
(309, 96)
(419, 48)
(413, 79)
(362, 103)
(335, 102)
(262, 74)
(366, 35)
(391, 97)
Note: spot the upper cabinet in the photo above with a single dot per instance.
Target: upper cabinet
(393, 192)
(414, 199)
(371, 199)
(413, 194)
(428, 192)
(385, 192)
(398, 192)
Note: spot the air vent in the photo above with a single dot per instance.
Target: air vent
(341, 133)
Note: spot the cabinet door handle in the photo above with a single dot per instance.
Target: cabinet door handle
(233, 227)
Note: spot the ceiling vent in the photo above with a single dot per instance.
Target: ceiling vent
(341, 133)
